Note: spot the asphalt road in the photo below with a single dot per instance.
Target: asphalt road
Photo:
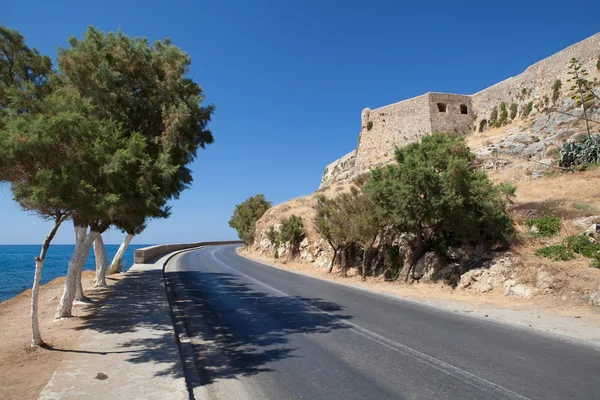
(262, 333)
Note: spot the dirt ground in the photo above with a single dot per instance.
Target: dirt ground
(541, 313)
(25, 370)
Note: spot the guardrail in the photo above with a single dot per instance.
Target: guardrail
(145, 254)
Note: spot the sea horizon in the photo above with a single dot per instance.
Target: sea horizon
(17, 264)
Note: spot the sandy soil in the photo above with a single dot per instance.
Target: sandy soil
(24, 370)
(542, 313)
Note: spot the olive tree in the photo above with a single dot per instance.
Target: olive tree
(437, 198)
(245, 216)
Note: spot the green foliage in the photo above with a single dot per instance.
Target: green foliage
(575, 153)
(503, 119)
(578, 244)
(508, 191)
(526, 109)
(556, 252)
(369, 125)
(493, 121)
(547, 226)
(145, 89)
(581, 244)
(435, 193)
(556, 90)
(598, 64)
(272, 235)
(245, 216)
(514, 109)
(393, 262)
(581, 90)
(292, 231)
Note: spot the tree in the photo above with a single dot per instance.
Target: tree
(115, 265)
(292, 232)
(435, 196)
(245, 216)
(364, 225)
(143, 89)
(24, 80)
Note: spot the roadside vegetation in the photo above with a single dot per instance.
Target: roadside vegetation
(101, 139)
(245, 216)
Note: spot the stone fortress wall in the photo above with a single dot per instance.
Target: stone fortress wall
(407, 121)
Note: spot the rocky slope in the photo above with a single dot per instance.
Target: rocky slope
(523, 152)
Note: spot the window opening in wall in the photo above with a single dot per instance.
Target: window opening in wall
(464, 109)
(441, 107)
(483, 125)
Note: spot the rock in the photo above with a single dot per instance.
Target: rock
(586, 222)
(481, 287)
(594, 298)
(426, 267)
(512, 288)
(304, 243)
(468, 278)
(534, 229)
(593, 231)
(545, 280)
(323, 261)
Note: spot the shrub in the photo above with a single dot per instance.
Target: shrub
(369, 125)
(508, 190)
(598, 64)
(245, 216)
(514, 109)
(556, 252)
(547, 226)
(581, 244)
(434, 193)
(526, 109)
(494, 117)
(556, 90)
(272, 235)
(393, 262)
(503, 119)
(580, 152)
(292, 231)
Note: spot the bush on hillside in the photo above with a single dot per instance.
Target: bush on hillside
(546, 226)
(245, 216)
(292, 231)
(436, 195)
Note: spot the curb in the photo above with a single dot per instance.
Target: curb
(186, 351)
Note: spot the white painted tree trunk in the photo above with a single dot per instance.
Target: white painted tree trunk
(36, 336)
(101, 262)
(115, 265)
(83, 243)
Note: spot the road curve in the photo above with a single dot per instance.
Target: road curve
(258, 332)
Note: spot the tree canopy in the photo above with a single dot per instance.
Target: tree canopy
(245, 216)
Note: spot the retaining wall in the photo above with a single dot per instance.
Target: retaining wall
(146, 254)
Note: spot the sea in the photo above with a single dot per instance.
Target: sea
(17, 264)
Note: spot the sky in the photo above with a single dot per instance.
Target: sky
(289, 79)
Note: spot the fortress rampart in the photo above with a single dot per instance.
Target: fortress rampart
(531, 92)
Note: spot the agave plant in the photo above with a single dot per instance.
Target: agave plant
(585, 151)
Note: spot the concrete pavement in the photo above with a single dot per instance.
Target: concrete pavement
(128, 349)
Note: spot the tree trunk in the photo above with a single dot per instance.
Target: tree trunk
(73, 288)
(344, 261)
(115, 265)
(411, 257)
(335, 251)
(36, 336)
(101, 262)
(363, 268)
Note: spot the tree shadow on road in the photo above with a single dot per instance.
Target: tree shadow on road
(241, 329)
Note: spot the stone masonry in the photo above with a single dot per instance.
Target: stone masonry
(385, 128)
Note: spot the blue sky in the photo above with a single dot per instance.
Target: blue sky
(290, 78)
